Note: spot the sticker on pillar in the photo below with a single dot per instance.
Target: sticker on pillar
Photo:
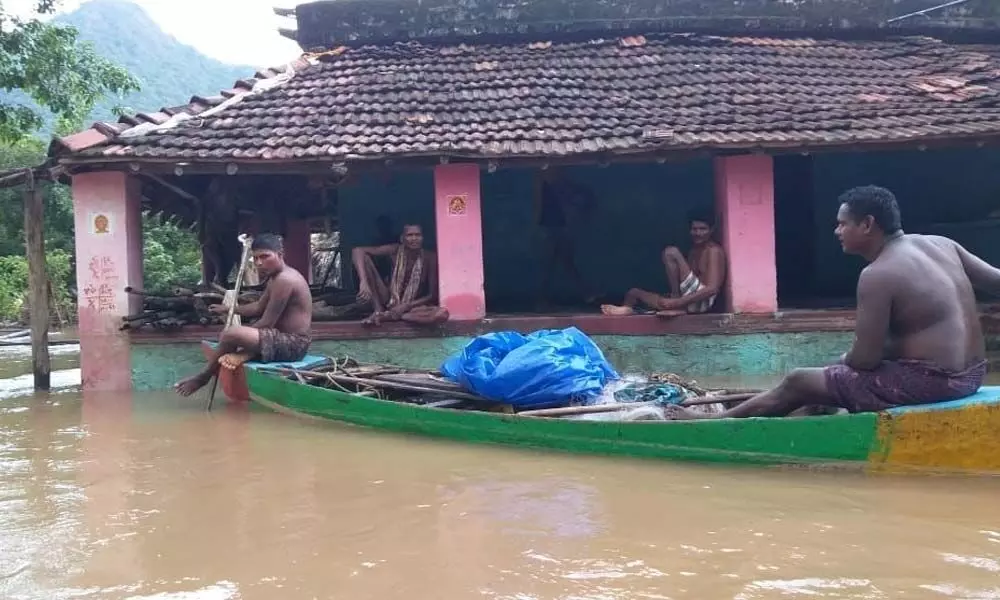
(100, 223)
(457, 205)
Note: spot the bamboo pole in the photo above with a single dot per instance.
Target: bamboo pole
(247, 241)
(38, 283)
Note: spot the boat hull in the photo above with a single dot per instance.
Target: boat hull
(959, 436)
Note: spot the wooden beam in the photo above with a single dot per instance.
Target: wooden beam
(38, 284)
(284, 12)
(292, 34)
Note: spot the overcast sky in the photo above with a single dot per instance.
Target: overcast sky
(233, 31)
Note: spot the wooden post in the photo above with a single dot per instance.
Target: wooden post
(38, 284)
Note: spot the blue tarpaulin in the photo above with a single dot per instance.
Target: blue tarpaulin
(547, 368)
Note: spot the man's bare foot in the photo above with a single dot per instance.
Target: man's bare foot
(189, 385)
(234, 360)
(670, 314)
(374, 320)
(679, 413)
(617, 311)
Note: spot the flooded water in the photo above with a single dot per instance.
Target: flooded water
(150, 497)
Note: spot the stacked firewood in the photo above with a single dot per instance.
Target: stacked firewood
(172, 311)
(185, 306)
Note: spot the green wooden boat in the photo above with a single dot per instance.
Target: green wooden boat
(957, 436)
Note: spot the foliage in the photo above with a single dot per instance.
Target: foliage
(58, 204)
(48, 63)
(171, 256)
(14, 283)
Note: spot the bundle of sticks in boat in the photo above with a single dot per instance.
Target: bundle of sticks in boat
(430, 388)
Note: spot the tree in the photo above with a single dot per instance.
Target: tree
(50, 64)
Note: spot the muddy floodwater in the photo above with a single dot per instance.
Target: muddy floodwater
(150, 497)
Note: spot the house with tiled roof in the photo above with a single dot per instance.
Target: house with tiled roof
(444, 113)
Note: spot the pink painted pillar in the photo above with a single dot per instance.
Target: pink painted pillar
(107, 217)
(459, 220)
(744, 192)
(298, 247)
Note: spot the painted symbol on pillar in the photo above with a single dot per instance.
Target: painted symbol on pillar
(457, 205)
(102, 268)
(100, 298)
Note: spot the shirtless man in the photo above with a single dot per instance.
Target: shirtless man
(694, 282)
(917, 340)
(411, 293)
(282, 331)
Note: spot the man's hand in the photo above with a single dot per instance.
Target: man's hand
(218, 309)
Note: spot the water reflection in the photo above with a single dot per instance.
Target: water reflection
(150, 497)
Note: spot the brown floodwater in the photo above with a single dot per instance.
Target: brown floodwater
(148, 497)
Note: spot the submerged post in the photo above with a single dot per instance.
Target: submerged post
(38, 284)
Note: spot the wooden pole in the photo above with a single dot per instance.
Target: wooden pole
(38, 284)
(247, 242)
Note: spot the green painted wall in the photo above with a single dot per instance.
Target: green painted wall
(159, 366)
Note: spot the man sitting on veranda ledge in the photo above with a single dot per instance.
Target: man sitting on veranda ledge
(918, 338)
(411, 293)
(694, 281)
(282, 332)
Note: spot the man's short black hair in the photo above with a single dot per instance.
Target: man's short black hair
(701, 214)
(876, 201)
(268, 241)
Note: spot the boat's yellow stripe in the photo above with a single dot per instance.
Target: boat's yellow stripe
(963, 439)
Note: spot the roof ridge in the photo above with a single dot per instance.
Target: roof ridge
(167, 117)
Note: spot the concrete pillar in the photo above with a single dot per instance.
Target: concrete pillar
(744, 193)
(298, 247)
(107, 217)
(458, 216)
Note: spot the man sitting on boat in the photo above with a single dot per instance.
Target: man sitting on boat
(282, 331)
(694, 281)
(411, 293)
(918, 338)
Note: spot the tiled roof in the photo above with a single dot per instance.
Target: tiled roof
(629, 95)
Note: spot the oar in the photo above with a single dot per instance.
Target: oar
(246, 241)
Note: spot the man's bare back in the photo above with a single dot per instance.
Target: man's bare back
(296, 312)
(933, 313)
